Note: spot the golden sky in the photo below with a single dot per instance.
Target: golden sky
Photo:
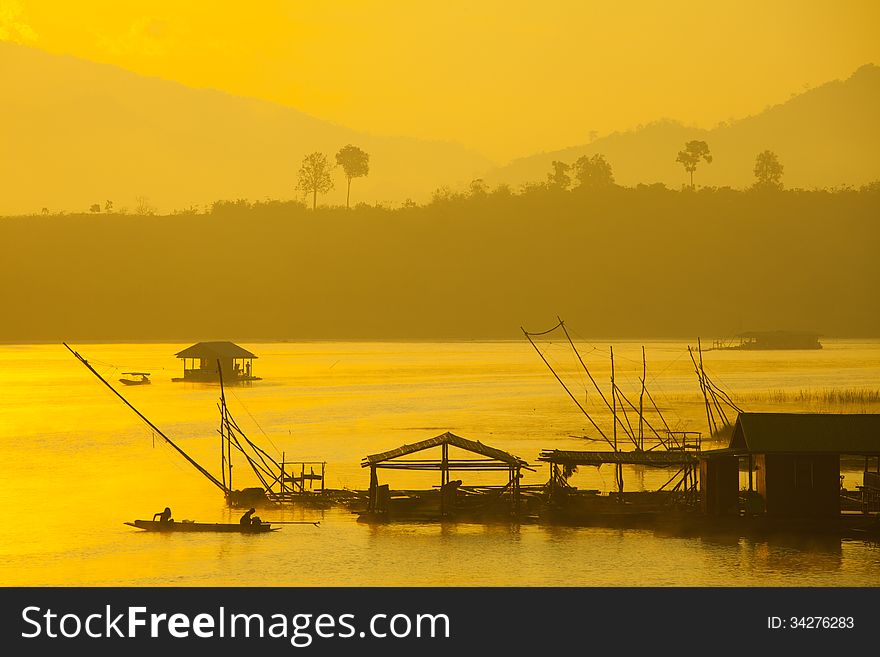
(505, 77)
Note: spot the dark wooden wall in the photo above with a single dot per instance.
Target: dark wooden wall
(719, 483)
(799, 484)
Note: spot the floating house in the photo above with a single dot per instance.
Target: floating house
(792, 461)
(200, 363)
(771, 340)
(451, 498)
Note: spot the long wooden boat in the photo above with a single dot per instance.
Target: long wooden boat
(143, 380)
(190, 526)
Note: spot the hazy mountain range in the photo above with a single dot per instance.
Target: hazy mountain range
(824, 137)
(75, 133)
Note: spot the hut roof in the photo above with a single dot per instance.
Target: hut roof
(659, 459)
(449, 439)
(213, 350)
(837, 433)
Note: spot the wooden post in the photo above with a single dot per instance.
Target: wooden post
(444, 476)
(514, 473)
(374, 489)
(750, 473)
(282, 472)
(322, 476)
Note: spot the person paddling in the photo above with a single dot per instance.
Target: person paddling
(249, 518)
(165, 516)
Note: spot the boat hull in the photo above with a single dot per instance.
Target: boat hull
(185, 526)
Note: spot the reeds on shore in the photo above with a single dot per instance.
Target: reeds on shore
(822, 396)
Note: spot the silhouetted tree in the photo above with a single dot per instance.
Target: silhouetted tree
(478, 187)
(95, 207)
(690, 157)
(502, 191)
(444, 194)
(593, 172)
(559, 178)
(768, 171)
(355, 163)
(143, 207)
(108, 205)
(533, 187)
(314, 176)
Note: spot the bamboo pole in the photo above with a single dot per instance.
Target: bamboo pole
(706, 389)
(192, 461)
(642, 401)
(223, 421)
(703, 390)
(586, 369)
(613, 398)
(618, 467)
(565, 387)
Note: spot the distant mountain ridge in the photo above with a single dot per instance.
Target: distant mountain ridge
(825, 137)
(75, 133)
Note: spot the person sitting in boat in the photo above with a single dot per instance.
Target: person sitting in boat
(165, 516)
(249, 518)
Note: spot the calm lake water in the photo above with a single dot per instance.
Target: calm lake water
(77, 463)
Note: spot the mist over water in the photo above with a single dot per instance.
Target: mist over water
(77, 463)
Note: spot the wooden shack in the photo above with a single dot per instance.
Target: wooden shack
(769, 340)
(451, 495)
(201, 359)
(792, 461)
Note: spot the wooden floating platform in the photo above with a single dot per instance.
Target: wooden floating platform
(597, 458)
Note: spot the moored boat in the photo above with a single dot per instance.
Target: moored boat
(191, 526)
(142, 380)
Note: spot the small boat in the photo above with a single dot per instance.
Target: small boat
(191, 526)
(142, 381)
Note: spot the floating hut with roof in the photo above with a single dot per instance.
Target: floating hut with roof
(452, 499)
(792, 462)
(771, 340)
(200, 363)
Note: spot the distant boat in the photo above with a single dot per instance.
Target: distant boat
(190, 526)
(143, 379)
(771, 340)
